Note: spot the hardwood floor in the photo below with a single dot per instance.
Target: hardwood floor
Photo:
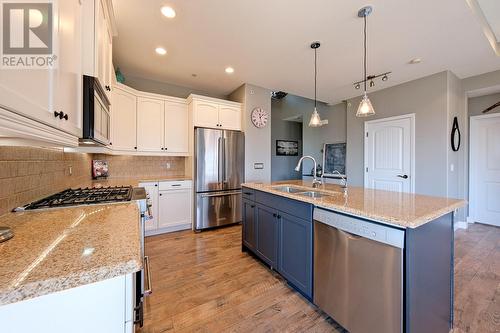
(477, 279)
(203, 282)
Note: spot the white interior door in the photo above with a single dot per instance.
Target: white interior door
(389, 154)
(485, 169)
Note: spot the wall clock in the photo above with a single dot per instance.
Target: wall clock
(259, 117)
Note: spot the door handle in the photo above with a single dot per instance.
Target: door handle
(403, 176)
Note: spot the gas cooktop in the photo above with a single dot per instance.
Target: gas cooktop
(82, 196)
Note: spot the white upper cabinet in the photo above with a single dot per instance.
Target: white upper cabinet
(68, 75)
(206, 114)
(123, 117)
(150, 113)
(98, 42)
(50, 98)
(176, 127)
(230, 117)
(215, 113)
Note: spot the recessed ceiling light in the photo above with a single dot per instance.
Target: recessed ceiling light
(168, 11)
(229, 70)
(415, 61)
(160, 51)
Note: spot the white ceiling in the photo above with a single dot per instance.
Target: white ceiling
(267, 42)
(491, 11)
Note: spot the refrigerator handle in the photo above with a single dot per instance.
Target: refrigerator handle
(224, 176)
(219, 160)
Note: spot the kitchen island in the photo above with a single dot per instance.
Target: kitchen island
(391, 272)
(70, 269)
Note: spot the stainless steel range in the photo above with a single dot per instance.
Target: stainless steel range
(108, 195)
(85, 196)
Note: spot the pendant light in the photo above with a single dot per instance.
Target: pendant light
(365, 106)
(315, 118)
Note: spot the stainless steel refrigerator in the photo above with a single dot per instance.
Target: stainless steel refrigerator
(219, 172)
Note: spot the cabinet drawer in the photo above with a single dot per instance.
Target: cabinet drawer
(175, 185)
(296, 208)
(248, 193)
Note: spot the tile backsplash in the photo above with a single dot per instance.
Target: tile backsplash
(30, 173)
(124, 166)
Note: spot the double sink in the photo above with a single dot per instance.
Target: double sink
(301, 191)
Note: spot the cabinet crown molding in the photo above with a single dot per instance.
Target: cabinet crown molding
(194, 97)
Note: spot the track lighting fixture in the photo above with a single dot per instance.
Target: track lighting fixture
(372, 84)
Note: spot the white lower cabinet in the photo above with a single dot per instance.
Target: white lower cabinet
(172, 206)
(104, 306)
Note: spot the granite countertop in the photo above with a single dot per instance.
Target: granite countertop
(132, 181)
(58, 249)
(398, 209)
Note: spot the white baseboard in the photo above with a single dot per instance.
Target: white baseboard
(173, 228)
(460, 225)
(470, 219)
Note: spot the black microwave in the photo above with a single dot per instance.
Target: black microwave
(96, 113)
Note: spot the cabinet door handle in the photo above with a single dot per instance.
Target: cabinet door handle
(65, 116)
(279, 216)
(403, 176)
(161, 194)
(156, 184)
(274, 215)
(247, 193)
(252, 206)
(135, 147)
(59, 114)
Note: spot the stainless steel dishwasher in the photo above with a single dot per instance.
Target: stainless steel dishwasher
(358, 272)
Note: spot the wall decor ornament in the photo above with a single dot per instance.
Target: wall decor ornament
(455, 135)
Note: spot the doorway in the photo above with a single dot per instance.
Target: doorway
(484, 179)
(390, 154)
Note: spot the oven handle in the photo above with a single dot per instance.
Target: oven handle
(149, 289)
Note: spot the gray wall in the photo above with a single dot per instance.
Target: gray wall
(164, 88)
(283, 167)
(313, 138)
(476, 105)
(257, 140)
(457, 167)
(483, 82)
(427, 98)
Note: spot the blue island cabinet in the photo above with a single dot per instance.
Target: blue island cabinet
(278, 230)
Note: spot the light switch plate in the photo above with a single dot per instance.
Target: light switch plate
(258, 166)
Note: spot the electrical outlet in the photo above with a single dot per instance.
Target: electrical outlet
(70, 170)
(167, 165)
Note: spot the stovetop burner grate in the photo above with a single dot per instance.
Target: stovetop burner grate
(83, 196)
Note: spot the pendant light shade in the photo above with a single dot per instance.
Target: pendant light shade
(365, 107)
(315, 120)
